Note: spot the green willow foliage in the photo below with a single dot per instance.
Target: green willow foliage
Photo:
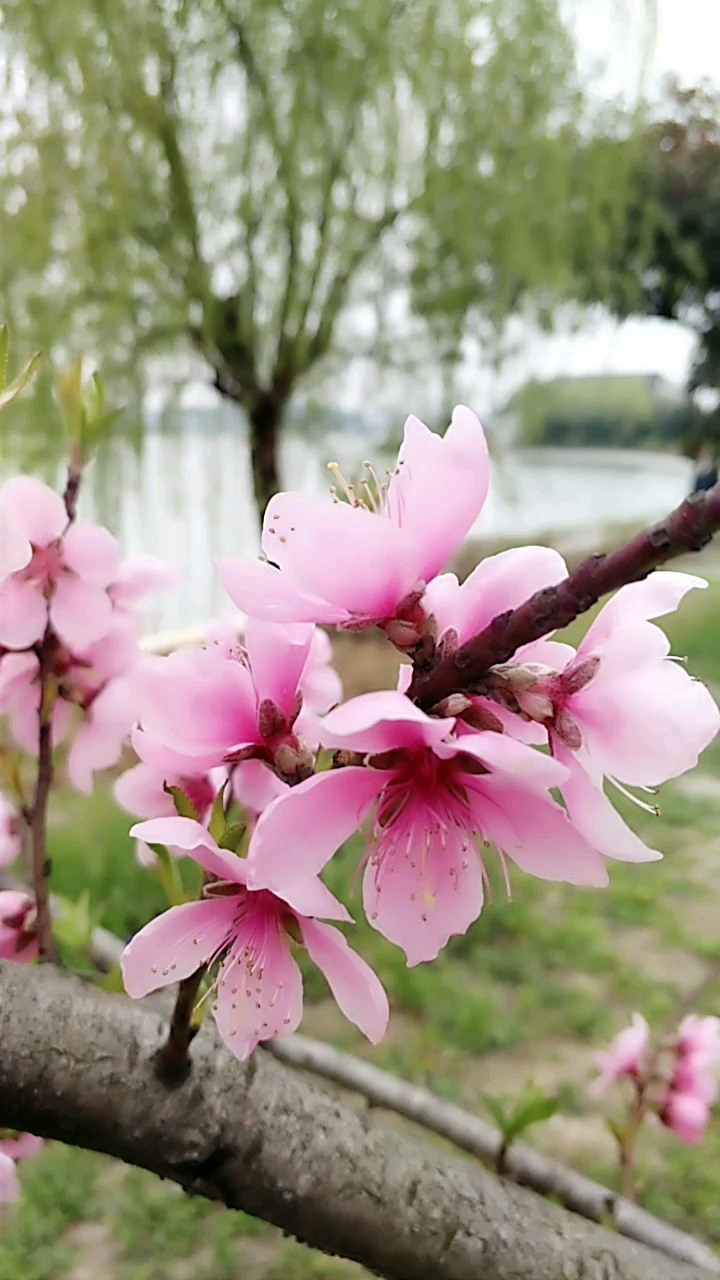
(228, 177)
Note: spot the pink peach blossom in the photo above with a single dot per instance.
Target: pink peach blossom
(617, 709)
(201, 708)
(350, 566)
(55, 571)
(258, 991)
(9, 832)
(687, 1116)
(98, 682)
(435, 796)
(625, 1056)
(9, 1182)
(22, 1147)
(17, 936)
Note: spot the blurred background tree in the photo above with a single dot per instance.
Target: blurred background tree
(263, 187)
(668, 264)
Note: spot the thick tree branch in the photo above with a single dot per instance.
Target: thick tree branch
(523, 1164)
(689, 528)
(77, 1065)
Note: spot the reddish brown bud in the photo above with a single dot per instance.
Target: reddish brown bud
(567, 729)
(271, 721)
(576, 677)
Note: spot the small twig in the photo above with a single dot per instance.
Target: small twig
(172, 1062)
(38, 813)
(72, 486)
(689, 528)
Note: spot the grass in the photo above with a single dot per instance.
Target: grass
(531, 991)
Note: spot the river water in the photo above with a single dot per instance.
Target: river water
(186, 496)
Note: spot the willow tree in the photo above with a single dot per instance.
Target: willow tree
(236, 179)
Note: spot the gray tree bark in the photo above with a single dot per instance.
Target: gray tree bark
(76, 1065)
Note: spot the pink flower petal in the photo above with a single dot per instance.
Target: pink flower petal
(140, 576)
(308, 896)
(595, 817)
(163, 759)
(419, 898)
(96, 746)
(92, 553)
(15, 548)
(357, 990)
(194, 839)
(298, 833)
(320, 684)
(80, 612)
(382, 721)
(9, 1181)
(23, 613)
(198, 703)
(658, 594)
(438, 488)
(646, 724)
(35, 509)
(349, 557)
(140, 791)
(265, 592)
(277, 655)
(257, 1005)
(534, 831)
(24, 1147)
(503, 582)
(176, 944)
(505, 755)
(255, 785)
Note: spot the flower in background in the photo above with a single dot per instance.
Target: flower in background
(22, 1147)
(17, 926)
(625, 1056)
(50, 570)
(258, 990)
(9, 832)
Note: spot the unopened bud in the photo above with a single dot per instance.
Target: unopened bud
(404, 635)
(454, 705)
(297, 707)
(271, 721)
(567, 729)
(293, 761)
(479, 716)
(576, 677)
(537, 705)
(449, 643)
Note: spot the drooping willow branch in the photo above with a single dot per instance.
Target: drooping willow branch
(689, 528)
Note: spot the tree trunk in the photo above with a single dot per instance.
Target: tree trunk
(264, 419)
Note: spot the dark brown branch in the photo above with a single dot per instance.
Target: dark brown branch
(77, 1065)
(689, 528)
(172, 1062)
(39, 810)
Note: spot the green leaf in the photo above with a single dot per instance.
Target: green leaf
(232, 836)
(217, 823)
(534, 1111)
(184, 806)
(74, 923)
(497, 1111)
(19, 383)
